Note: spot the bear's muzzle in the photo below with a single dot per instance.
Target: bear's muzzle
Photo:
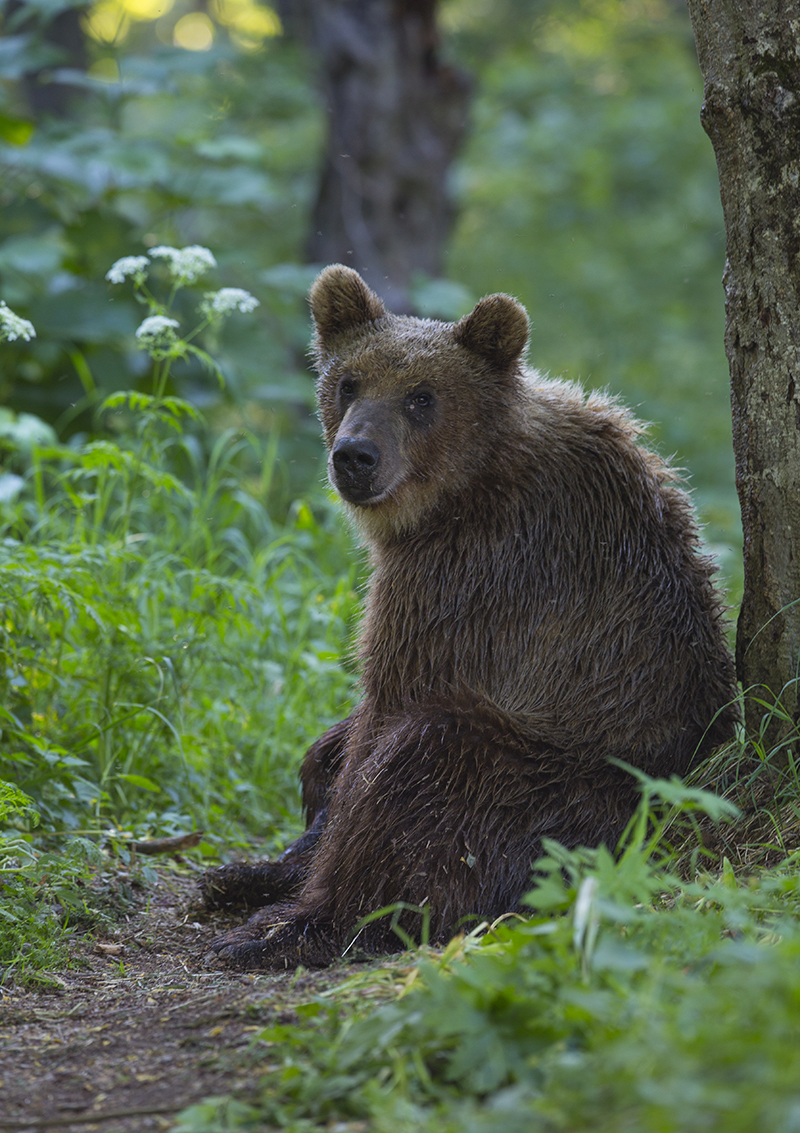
(354, 468)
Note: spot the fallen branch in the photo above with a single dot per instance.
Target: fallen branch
(167, 845)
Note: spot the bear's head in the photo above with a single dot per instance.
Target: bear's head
(412, 409)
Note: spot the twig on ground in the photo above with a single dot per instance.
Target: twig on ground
(90, 1118)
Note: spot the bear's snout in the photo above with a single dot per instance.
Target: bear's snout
(355, 463)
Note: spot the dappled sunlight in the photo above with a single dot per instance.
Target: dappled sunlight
(194, 31)
(248, 22)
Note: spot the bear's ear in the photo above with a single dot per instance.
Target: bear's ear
(341, 300)
(497, 329)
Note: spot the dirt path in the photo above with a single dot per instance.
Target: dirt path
(127, 1040)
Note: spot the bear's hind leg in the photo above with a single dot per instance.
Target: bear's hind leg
(444, 811)
(251, 885)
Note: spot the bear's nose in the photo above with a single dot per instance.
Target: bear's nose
(356, 457)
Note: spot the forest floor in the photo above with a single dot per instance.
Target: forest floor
(139, 1027)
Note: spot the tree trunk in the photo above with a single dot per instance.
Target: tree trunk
(62, 31)
(750, 58)
(396, 116)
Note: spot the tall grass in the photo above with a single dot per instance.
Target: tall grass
(190, 658)
(170, 639)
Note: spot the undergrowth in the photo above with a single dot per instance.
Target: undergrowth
(46, 893)
(171, 633)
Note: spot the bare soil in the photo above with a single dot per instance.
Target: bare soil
(139, 1027)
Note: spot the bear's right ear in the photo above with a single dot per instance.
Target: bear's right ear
(341, 300)
(497, 329)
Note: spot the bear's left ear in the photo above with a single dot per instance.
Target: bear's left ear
(497, 329)
(341, 300)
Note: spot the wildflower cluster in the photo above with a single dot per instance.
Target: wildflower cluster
(12, 326)
(185, 264)
(156, 330)
(227, 300)
(133, 266)
(158, 334)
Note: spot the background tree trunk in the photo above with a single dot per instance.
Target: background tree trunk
(396, 117)
(60, 31)
(749, 56)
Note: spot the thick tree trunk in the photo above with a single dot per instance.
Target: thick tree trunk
(396, 117)
(750, 58)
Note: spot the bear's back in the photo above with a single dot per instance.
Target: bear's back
(565, 583)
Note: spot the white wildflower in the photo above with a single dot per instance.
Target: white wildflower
(185, 264)
(227, 300)
(156, 328)
(135, 266)
(12, 326)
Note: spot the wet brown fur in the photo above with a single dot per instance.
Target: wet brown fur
(539, 603)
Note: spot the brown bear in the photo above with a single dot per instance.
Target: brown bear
(539, 606)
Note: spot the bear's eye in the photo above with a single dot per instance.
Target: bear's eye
(418, 405)
(347, 390)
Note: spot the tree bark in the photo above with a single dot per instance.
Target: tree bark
(750, 59)
(396, 117)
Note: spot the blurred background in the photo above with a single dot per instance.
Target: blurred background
(552, 150)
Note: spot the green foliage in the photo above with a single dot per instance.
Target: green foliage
(40, 894)
(159, 145)
(131, 668)
(13, 801)
(153, 615)
(43, 896)
(631, 999)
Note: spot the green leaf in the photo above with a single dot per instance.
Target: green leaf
(140, 781)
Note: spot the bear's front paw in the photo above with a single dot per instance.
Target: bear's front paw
(283, 944)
